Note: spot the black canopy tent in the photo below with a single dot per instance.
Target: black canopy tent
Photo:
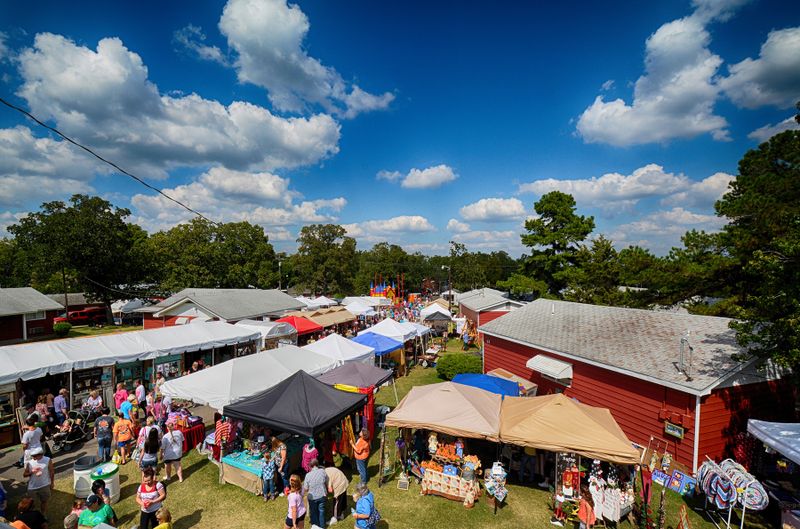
(438, 316)
(357, 375)
(301, 405)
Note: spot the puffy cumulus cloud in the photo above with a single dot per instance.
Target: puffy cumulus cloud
(427, 178)
(429, 248)
(7, 218)
(773, 78)
(39, 169)
(613, 191)
(764, 133)
(267, 38)
(456, 226)
(493, 209)
(224, 195)
(4, 51)
(395, 225)
(676, 95)
(104, 97)
(192, 39)
(662, 230)
(491, 240)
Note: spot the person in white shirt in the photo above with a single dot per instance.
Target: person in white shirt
(172, 451)
(31, 439)
(41, 477)
(141, 395)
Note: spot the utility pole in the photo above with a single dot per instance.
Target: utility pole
(280, 275)
(449, 289)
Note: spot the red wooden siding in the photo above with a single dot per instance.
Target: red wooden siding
(724, 414)
(488, 316)
(11, 327)
(637, 406)
(43, 327)
(152, 322)
(469, 314)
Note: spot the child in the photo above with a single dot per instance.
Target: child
(586, 509)
(268, 467)
(78, 505)
(558, 513)
(164, 519)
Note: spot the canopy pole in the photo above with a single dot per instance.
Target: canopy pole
(213, 357)
(394, 386)
(72, 389)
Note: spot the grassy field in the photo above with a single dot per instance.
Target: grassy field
(201, 502)
(85, 330)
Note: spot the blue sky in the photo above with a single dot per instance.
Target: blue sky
(413, 122)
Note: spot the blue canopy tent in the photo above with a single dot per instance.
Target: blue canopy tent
(503, 387)
(383, 345)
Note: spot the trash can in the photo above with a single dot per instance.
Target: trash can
(81, 471)
(109, 472)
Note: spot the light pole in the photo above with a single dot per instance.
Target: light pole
(280, 275)
(449, 289)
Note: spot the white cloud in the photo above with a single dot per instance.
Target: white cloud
(193, 40)
(267, 37)
(39, 169)
(764, 133)
(615, 191)
(676, 95)
(428, 178)
(103, 97)
(428, 248)
(390, 176)
(493, 209)
(457, 226)
(491, 240)
(7, 218)
(661, 230)
(393, 226)
(4, 51)
(773, 78)
(608, 85)
(280, 234)
(255, 187)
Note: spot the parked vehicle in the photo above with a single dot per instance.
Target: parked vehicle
(88, 316)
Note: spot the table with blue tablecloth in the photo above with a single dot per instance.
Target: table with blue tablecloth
(244, 469)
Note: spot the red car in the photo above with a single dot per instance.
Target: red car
(89, 316)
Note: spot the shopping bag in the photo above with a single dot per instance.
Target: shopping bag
(115, 458)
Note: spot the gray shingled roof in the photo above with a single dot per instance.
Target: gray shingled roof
(236, 304)
(486, 300)
(642, 343)
(73, 298)
(24, 300)
(479, 292)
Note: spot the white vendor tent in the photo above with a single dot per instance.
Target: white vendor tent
(33, 360)
(269, 329)
(392, 329)
(783, 437)
(372, 301)
(342, 350)
(420, 329)
(324, 301)
(432, 308)
(241, 377)
(309, 303)
(359, 308)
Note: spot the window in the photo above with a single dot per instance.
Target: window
(38, 315)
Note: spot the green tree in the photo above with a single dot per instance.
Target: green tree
(326, 259)
(554, 237)
(595, 275)
(466, 270)
(520, 285)
(763, 235)
(202, 254)
(88, 237)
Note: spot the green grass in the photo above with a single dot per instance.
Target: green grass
(201, 502)
(85, 330)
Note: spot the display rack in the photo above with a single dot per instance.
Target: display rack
(448, 486)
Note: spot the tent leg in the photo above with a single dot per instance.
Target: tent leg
(394, 386)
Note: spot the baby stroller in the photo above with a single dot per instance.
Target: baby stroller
(73, 432)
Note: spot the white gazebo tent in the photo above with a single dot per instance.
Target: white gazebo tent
(241, 377)
(270, 330)
(324, 301)
(782, 437)
(395, 330)
(360, 309)
(308, 302)
(342, 350)
(433, 308)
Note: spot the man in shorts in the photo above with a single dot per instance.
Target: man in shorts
(123, 434)
(41, 477)
(103, 432)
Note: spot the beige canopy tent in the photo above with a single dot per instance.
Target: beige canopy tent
(559, 424)
(449, 408)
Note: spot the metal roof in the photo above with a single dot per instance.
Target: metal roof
(487, 300)
(234, 304)
(641, 343)
(73, 298)
(25, 300)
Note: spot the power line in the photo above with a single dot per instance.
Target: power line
(112, 164)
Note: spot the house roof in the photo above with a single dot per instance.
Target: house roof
(487, 300)
(24, 300)
(640, 343)
(232, 303)
(73, 298)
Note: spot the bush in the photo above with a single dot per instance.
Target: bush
(451, 365)
(62, 329)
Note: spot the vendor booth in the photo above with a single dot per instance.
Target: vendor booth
(360, 309)
(303, 326)
(395, 330)
(386, 349)
(360, 378)
(342, 350)
(780, 463)
(529, 388)
(504, 388)
(230, 381)
(273, 333)
(300, 406)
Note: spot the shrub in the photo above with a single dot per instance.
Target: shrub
(62, 329)
(451, 365)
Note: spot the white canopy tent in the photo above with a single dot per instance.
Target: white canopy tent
(782, 437)
(35, 360)
(420, 329)
(324, 301)
(432, 308)
(241, 377)
(395, 330)
(269, 329)
(372, 301)
(342, 350)
(360, 309)
(126, 306)
(308, 302)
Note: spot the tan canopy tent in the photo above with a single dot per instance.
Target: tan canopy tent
(325, 317)
(449, 408)
(559, 424)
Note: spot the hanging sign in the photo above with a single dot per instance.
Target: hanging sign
(674, 430)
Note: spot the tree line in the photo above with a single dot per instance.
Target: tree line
(749, 271)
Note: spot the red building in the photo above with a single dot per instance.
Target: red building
(485, 304)
(218, 304)
(26, 314)
(666, 377)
